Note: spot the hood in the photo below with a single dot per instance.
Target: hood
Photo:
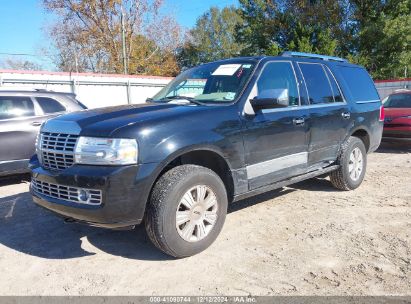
(104, 121)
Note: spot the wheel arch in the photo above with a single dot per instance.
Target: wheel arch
(363, 134)
(206, 156)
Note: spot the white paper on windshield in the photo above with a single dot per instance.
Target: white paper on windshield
(226, 69)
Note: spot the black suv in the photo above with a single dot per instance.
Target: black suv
(217, 133)
(21, 114)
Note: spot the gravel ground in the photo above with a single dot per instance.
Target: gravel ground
(308, 239)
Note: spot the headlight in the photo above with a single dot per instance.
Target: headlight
(105, 151)
(37, 145)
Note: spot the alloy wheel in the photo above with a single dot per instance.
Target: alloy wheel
(196, 213)
(355, 164)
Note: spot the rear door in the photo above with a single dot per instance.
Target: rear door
(19, 124)
(328, 111)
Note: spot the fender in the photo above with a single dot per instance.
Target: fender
(163, 164)
(166, 141)
(357, 128)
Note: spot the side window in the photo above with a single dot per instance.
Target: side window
(277, 80)
(50, 105)
(359, 83)
(318, 85)
(13, 107)
(336, 91)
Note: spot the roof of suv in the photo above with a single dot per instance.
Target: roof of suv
(292, 56)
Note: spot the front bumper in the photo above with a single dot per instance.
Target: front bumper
(124, 192)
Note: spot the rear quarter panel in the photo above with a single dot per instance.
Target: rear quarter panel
(365, 110)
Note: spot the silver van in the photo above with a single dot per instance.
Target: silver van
(21, 115)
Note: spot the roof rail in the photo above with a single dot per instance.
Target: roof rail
(313, 56)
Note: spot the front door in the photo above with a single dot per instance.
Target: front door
(276, 140)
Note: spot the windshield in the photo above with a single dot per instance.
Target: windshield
(398, 101)
(208, 83)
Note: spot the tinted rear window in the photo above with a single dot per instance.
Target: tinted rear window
(50, 105)
(334, 86)
(12, 107)
(318, 85)
(359, 84)
(398, 101)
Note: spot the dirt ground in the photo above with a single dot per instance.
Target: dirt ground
(308, 239)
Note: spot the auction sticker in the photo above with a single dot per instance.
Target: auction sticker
(226, 69)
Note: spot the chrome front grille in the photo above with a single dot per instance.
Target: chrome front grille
(57, 150)
(67, 193)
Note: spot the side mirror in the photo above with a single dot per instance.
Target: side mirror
(265, 103)
(270, 99)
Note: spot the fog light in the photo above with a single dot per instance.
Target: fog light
(83, 195)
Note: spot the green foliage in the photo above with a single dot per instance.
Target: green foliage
(299, 25)
(312, 40)
(384, 36)
(374, 33)
(88, 34)
(212, 38)
(262, 22)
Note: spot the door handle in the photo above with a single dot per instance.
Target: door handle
(36, 123)
(346, 115)
(298, 121)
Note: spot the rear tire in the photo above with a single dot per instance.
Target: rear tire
(353, 164)
(197, 198)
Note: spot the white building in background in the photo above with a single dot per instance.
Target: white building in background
(102, 90)
(94, 90)
(386, 87)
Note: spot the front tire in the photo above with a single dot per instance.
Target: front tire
(353, 164)
(186, 211)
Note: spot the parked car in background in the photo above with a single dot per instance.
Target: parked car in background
(217, 133)
(397, 123)
(21, 115)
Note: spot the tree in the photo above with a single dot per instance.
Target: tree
(299, 25)
(88, 36)
(312, 39)
(383, 38)
(374, 33)
(212, 38)
(18, 64)
(395, 51)
(261, 28)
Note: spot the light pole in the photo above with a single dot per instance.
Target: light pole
(123, 38)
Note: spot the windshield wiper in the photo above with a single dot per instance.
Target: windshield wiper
(190, 99)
